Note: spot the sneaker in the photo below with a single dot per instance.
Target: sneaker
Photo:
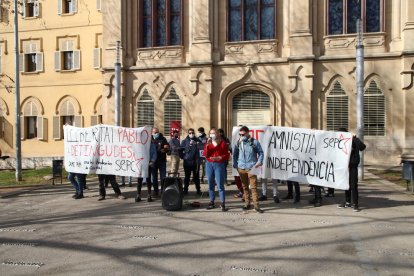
(149, 199)
(223, 208)
(239, 195)
(317, 204)
(276, 199)
(297, 200)
(199, 193)
(262, 198)
(86, 188)
(79, 197)
(210, 206)
(137, 199)
(120, 196)
(288, 197)
(356, 208)
(258, 210)
(122, 185)
(246, 208)
(100, 198)
(344, 205)
(75, 196)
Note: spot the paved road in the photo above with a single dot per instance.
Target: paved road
(46, 232)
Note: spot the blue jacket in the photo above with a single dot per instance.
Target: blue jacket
(191, 152)
(247, 154)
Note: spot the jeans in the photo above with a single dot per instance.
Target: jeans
(76, 183)
(129, 180)
(162, 168)
(188, 169)
(353, 186)
(247, 180)
(111, 178)
(215, 173)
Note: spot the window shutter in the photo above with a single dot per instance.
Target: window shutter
(39, 62)
(57, 128)
(22, 128)
(78, 121)
(60, 6)
(24, 8)
(58, 57)
(21, 62)
(74, 6)
(1, 127)
(98, 5)
(76, 60)
(97, 58)
(42, 128)
(1, 67)
(94, 120)
(337, 108)
(36, 9)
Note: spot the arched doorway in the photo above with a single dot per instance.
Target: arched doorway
(251, 107)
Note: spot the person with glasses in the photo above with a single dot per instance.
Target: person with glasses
(190, 155)
(217, 154)
(248, 155)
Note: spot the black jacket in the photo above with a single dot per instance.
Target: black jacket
(160, 142)
(357, 146)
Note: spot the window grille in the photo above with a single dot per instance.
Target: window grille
(374, 111)
(145, 110)
(172, 110)
(251, 100)
(337, 108)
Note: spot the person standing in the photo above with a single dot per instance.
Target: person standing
(102, 178)
(290, 185)
(202, 161)
(77, 181)
(153, 158)
(263, 197)
(191, 156)
(357, 146)
(216, 152)
(160, 164)
(248, 154)
(317, 200)
(175, 151)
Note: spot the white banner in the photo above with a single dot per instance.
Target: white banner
(307, 156)
(104, 149)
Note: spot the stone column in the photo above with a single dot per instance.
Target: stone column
(201, 24)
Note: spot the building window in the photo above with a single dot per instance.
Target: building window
(67, 6)
(337, 108)
(251, 20)
(31, 8)
(172, 110)
(251, 107)
(32, 125)
(161, 23)
(374, 111)
(343, 16)
(31, 128)
(146, 110)
(67, 59)
(31, 60)
(66, 116)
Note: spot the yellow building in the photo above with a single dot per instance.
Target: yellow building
(213, 63)
(61, 82)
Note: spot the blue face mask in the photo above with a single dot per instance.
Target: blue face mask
(244, 138)
(156, 135)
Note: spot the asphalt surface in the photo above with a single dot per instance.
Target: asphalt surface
(46, 232)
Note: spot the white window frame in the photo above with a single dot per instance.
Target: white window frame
(97, 58)
(73, 7)
(36, 8)
(99, 5)
(67, 46)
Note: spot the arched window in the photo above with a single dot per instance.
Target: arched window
(161, 23)
(145, 112)
(66, 116)
(343, 15)
(374, 111)
(337, 108)
(251, 108)
(172, 110)
(251, 20)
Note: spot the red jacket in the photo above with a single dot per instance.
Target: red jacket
(221, 149)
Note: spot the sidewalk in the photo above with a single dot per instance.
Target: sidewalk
(45, 231)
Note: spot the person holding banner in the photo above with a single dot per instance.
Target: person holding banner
(77, 184)
(160, 163)
(102, 178)
(190, 155)
(290, 185)
(216, 152)
(153, 157)
(247, 159)
(357, 146)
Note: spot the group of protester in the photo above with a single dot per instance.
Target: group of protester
(210, 155)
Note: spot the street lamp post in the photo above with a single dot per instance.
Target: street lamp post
(118, 84)
(17, 91)
(360, 93)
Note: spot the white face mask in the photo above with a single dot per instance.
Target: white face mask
(200, 134)
(213, 137)
(191, 135)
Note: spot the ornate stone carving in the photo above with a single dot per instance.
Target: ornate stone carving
(348, 41)
(234, 49)
(165, 53)
(246, 50)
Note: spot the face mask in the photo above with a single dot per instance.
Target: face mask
(191, 136)
(213, 137)
(200, 134)
(156, 135)
(244, 138)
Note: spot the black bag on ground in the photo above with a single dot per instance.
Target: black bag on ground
(172, 192)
